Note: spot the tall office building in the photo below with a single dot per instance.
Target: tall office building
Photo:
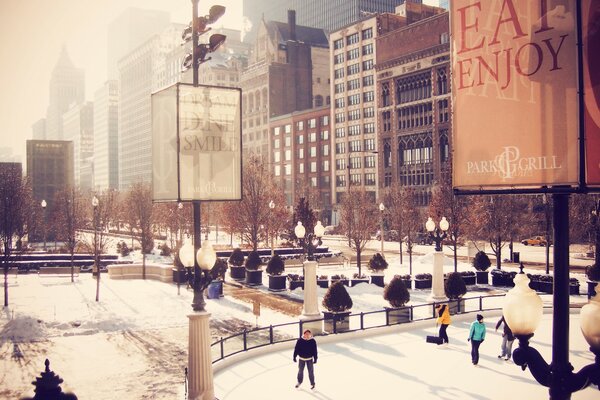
(78, 126)
(38, 129)
(7, 155)
(414, 108)
(288, 71)
(141, 73)
(132, 28)
(329, 15)
(67, 86)
(106, 136)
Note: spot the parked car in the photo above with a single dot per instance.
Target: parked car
(390, 235)
(420, 238)
(534, 241)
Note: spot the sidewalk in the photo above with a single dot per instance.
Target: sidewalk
(397, 361)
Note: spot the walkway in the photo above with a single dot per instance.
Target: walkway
(397, 361)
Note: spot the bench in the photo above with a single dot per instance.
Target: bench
(331, 261)
(59, 271)
(159, 272)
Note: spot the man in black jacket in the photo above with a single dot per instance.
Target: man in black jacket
(306, 350)
(507, 339)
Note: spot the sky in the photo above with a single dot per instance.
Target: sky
(32, 33)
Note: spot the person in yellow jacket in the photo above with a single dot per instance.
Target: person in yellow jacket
(443, 320)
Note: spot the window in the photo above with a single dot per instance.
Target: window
(354, 99)
(354, 162)
(325, 150)
(313, 137)
(276, 143)
(443, 110)
(340, 164)
(340, 181)
(354, 130)
(313, 180)
(325, 120)
(326, 165)
(353, 69)
(288, 169)
(355, 145)
(353, 54)
(277, 170)
(301, 168)
(299, 125)
(338, 58)
(338, 44)
(340, 117)
(370, 179)
(324, 135)
(369, 127)
(288, 155)
(370, 144)
(288, 141)
(276, 130)
(370, 161)
(368, 80)
(369, 112)
(313, 166)
(300, 139)
(367, 65)
(338, 73)
(301, 153)
(355, 179)
(340, 148)
(312, 123)
(367, 33)
(352, 39)
(353, 115)
(339, 103)
(444, 38)
(353, 84)
(385, 94)
(368, 96)
(367, 49)
(276, 156)
(288, 128)
(318, 100)
(387, 121)
(339, 88)
(340, 132)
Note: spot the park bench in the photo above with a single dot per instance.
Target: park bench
(58, 271)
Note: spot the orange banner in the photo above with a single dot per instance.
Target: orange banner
(591, 88)
(515, 120)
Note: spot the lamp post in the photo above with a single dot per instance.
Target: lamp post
(523, 311)
(381, 210)
(95, 204)
(44, 204)
(269, 233)
(310, 309)
(437, 281)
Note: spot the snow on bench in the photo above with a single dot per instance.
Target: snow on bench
(59, 271)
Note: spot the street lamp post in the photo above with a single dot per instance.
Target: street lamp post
(437, 235)
(95, 204)
(310, 309)
(269, 232)
(381, 209)
(44, 204)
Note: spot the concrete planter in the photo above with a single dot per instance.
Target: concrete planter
(296, 284)
(277, 282)
(399, 315)
(423, 283)
(356, 281)
(407, 283)
(254, 277)
(377, 280)
(323, 283)
(237, 272)
(341, 320)
(456, 306)
(482, 277)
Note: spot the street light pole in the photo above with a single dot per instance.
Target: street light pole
(44, 204)
(381, 209)
(269, 232)
(438, 235)
(95, 204)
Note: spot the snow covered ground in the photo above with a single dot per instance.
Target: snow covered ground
(132, 344)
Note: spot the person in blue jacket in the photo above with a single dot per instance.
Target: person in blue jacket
(306, 350)
(476, 337)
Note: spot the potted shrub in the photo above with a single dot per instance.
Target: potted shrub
(455, 289)
(337, 302)
(397, 295)
(534, 281)
(546, 284)
(423, 281)
(341, 278)
(469, 277)
(323, 281)
(275, 270)
(481, 262)
(407, 281)
(593, 274)
(503, 278)
(358, 278)
(296, 281)
(377, 265)
(217, 273)
(253, 271)
(236, 264)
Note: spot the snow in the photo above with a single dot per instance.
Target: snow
(132, 344)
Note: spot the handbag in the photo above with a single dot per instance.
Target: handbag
(434, 339)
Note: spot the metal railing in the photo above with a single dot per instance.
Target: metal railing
(348, 322)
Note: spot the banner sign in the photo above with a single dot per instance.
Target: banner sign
(591, 88)
(197, 143)
(515, 120)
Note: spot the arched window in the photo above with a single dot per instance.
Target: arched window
(318, 101)
(387, 155)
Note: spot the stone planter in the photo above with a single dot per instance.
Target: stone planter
(345, 282)
(377, 280)
(237, 272)
(469, 279)
(400, 315)
(591, 289)
(482, 277)
(456, 306)
(296, 284)
(534, 285)
(546, 287)
(277, 282)
(407, 283)
(574, 289)
(356, 281)
(323, 283)
(340, 319)
(254, 277)
(423, 283)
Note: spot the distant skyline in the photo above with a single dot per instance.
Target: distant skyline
(32, 33)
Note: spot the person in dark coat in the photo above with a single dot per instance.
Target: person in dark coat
(306, 351)
(507, 339)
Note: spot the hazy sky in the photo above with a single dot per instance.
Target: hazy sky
(32, 33)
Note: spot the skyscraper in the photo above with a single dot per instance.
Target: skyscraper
(78, 123)
(106, 136)
(67, 86)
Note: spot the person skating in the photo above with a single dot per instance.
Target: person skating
(306, 351)
(476, 337)
(443, 320)
(507, 339)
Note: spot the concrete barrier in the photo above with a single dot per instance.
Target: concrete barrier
(55, 271)
(159, 272)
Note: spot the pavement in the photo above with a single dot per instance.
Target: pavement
(397, 361)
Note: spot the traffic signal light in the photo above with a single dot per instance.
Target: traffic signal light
(200, 51)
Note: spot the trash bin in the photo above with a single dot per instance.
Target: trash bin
(214, 289)
(178, 275)
(516, 257)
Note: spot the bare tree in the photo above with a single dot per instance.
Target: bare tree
(359, 220)
(412, 220)
(139, 204)
(70, 215)
(393, 201)
(585, 221)
(13, 209)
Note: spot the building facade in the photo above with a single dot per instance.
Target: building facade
(67, 87)
(38, 129)
(78, 127)
(288, 71)
(414, 105)
(106, 136)
(301, 157)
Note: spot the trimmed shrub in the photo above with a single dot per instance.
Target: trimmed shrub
(253, 261)
(377, 263)
(275, 266)
(237, 257)
(481, 261)
(165, 250)
(123, 249)
(396, 292)
(455, 286)
(423, 276)
(337, 298)
(219, 269)
(593, 272)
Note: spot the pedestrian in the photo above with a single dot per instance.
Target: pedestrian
(476, 337)
(443, 320)
(507, 339)
(306, 350)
